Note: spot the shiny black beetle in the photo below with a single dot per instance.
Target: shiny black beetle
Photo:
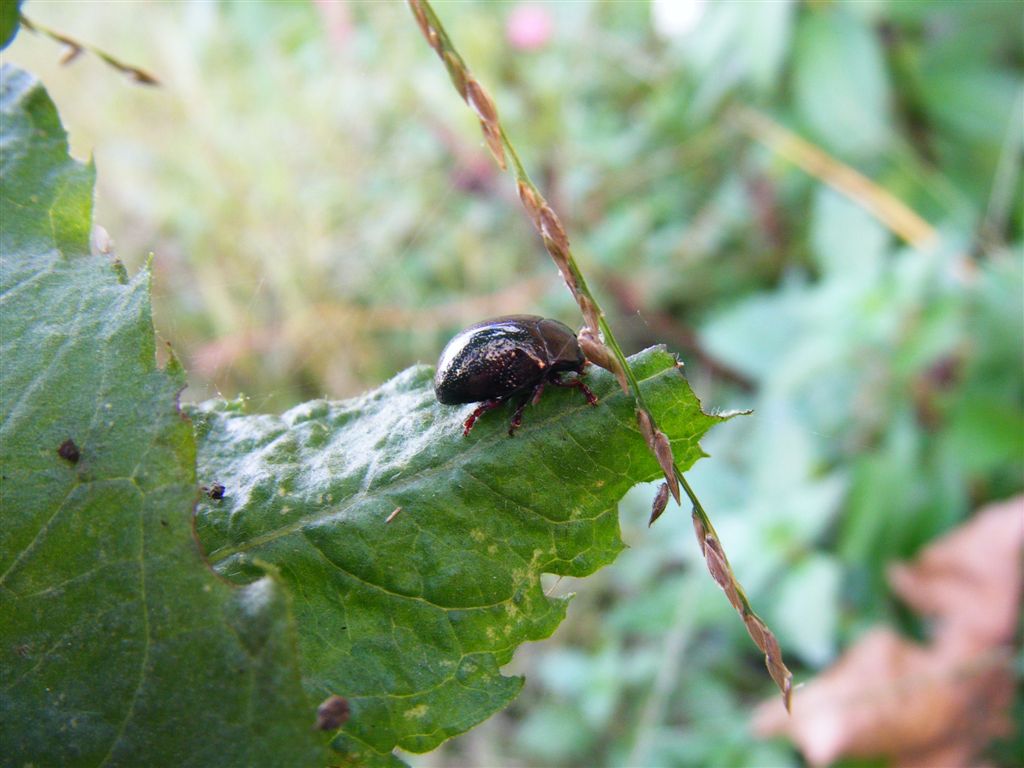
(492, 361)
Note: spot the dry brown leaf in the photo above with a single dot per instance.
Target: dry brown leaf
(970, 580)
(890, 697)
(924, 705)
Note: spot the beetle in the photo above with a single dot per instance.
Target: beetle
(495, 360)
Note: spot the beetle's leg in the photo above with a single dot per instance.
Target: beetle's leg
(484, 407)
(517, 417)
(576, 383)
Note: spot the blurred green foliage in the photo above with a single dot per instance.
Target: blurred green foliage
(323, 214)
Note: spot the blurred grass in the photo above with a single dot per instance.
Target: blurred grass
(323, 214)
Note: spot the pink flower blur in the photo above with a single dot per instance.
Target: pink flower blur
(528, 27)
(337, 21)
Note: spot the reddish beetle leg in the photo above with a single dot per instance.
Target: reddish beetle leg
(533, 399)
(484, 407)
(517, 417)
(576, 383)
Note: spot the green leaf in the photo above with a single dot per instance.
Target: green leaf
(10, 11)
(756, 335)
(117, 644)
(410, 620)
(807, 613)
(849, 243)
(841, 87)
(739, 42)
(554, 733)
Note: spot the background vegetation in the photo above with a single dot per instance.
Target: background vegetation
(323, 214)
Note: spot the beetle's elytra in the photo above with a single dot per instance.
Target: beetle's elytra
(493, 361)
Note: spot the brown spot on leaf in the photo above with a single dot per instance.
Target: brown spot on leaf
(332, 713)
(69, 451)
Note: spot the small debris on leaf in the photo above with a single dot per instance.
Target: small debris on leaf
(69, 451)
(332, 713)
(215, 491)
